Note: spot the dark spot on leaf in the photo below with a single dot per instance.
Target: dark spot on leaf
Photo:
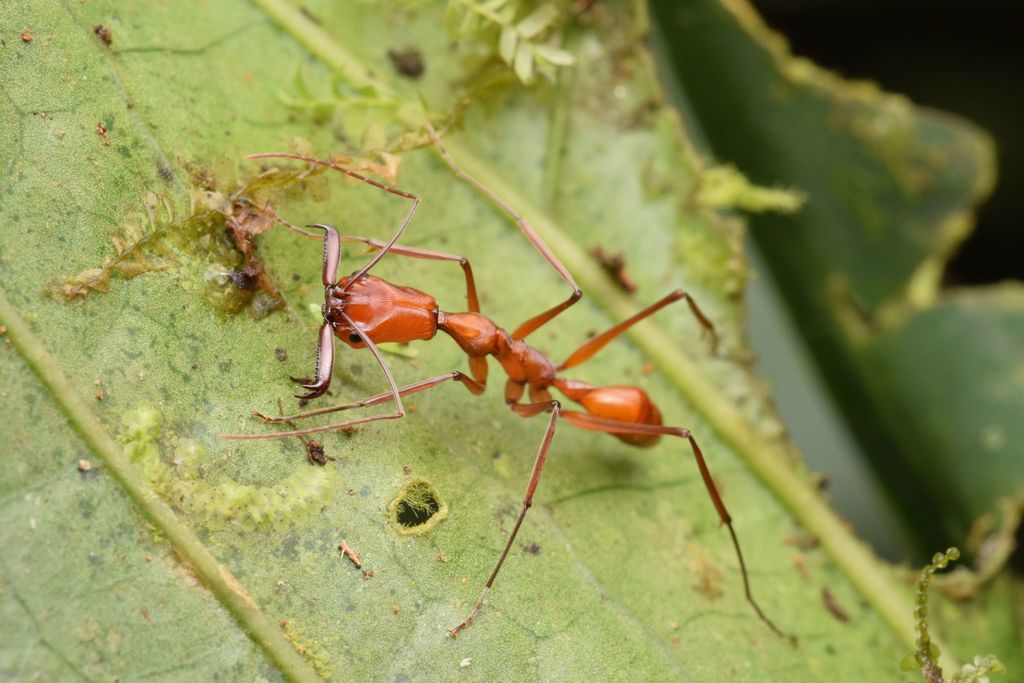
(832, 606)
(418, 507)
(533, 548)
(242, 279)
(315, 453)
(290, 547)
(103, 33)
(408, 63)
(281, 354)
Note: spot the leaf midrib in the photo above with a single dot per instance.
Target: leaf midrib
(224, 586)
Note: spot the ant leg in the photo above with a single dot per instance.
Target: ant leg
(585, 352)
(523, 410)
(412, 252)
(609, 426)
(535, 322)
(473, 386)
(399, 408)
(358, 176)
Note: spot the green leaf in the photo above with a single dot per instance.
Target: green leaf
(523, 63)
(507, 44)
(177, 556)
(537, 21)
(553, 55)
(927, 377)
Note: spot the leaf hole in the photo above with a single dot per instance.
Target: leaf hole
(417, 508)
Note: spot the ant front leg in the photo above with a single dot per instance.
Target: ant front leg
(474, 387)
(393, 392)
(472, 301)
(523, 410)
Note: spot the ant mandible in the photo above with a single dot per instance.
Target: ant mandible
(364, 310)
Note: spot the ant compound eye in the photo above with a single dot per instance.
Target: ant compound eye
(354, 338)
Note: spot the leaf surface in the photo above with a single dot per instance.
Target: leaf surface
(621, 571)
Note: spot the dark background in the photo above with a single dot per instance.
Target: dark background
(965, 57)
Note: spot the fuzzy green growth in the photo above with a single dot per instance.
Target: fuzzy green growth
(925, 655)
(725, 187)
(524, 38)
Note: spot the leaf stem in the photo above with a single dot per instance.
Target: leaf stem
(215, 576)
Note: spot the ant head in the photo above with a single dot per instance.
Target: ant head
(335, 302)
(339, 312)
(350, 337)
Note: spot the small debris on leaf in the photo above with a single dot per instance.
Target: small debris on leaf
(26, 35)
(615, 266)
(395, 609)
(465, 662)
(801, 566)
(832, 606)
(315, 453)
(281, 354)
(84, 465)
(102, 131)
(103, 33)
(802, 541)
(408, 63)
(350, 553)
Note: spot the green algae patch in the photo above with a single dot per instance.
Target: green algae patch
(212, 243)
(214, 500)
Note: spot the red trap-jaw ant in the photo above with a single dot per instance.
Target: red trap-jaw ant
(363, 310)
